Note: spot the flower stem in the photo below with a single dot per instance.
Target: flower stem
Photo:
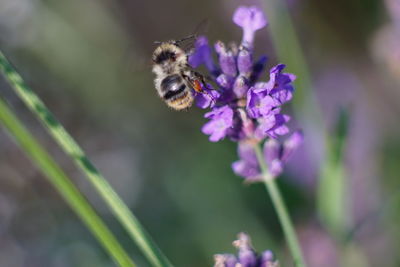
(281, 210)
(120, 210)
(63, 184)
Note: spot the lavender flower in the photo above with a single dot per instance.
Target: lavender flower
(242, 108)
(276, 154)
(247, 257)
(221, 122)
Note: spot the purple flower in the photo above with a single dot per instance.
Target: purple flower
(272, 126)
(247, 256)
(281, 84)
(243, 109)
(227, 59)
(276, 154)
(245, 61)
(247, 166)
(250, 19)
(202, 55)
(221, 121)
(259, 104)
(207, 98)
(225, 260)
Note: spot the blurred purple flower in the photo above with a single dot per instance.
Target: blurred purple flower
(242, 108)
(247, 257)
(247, 166)
(276, 154)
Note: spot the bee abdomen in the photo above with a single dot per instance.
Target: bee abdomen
(181, 102)
(171, 94)
(171, 86)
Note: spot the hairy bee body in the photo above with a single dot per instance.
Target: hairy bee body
(175, 79)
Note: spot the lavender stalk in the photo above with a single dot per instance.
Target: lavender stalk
(281, 210)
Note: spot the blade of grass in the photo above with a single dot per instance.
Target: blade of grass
(63, 184)
(332, 198)
(72, 149)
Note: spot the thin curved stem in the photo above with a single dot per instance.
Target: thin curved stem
(281, 210)
(120, 210)
(63, 184)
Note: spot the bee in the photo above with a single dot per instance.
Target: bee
(175, 79)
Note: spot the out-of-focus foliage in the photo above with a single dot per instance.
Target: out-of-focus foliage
(90, 63)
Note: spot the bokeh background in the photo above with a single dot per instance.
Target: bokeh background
(90, 62)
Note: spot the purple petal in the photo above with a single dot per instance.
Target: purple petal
(240, 87)
(226, 59)
(218, 126)
(247, 171)
(272, 150)
(275, 167)
(279, 127)
(266, 123)
(244, 62)
(291, 144)
(278, 68)
(280, 84)
(246, 152)
(247, 124)
(266, 106)
(250, 19)
(224, 81)
(247, 166)
(262, 88)
(247, 256)
(267, 259)
(207, 98)
(256, 104)
(272, 126)
(202, 55)
(267, 256)
(225, 260)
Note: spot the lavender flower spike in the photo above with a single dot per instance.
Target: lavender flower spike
(243, 109)
(247, 256)
(250, 19)
(248, 111)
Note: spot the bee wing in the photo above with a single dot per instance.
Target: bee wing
(202, 27)
(187, 43)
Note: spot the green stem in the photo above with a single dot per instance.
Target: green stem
(71, 148)
(63, 184)
(281, 210)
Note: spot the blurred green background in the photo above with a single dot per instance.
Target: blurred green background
(90, 63)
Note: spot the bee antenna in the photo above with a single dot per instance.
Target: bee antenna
(157, 42)
(186, 38)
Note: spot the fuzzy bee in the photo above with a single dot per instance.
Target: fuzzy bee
(175, 79)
